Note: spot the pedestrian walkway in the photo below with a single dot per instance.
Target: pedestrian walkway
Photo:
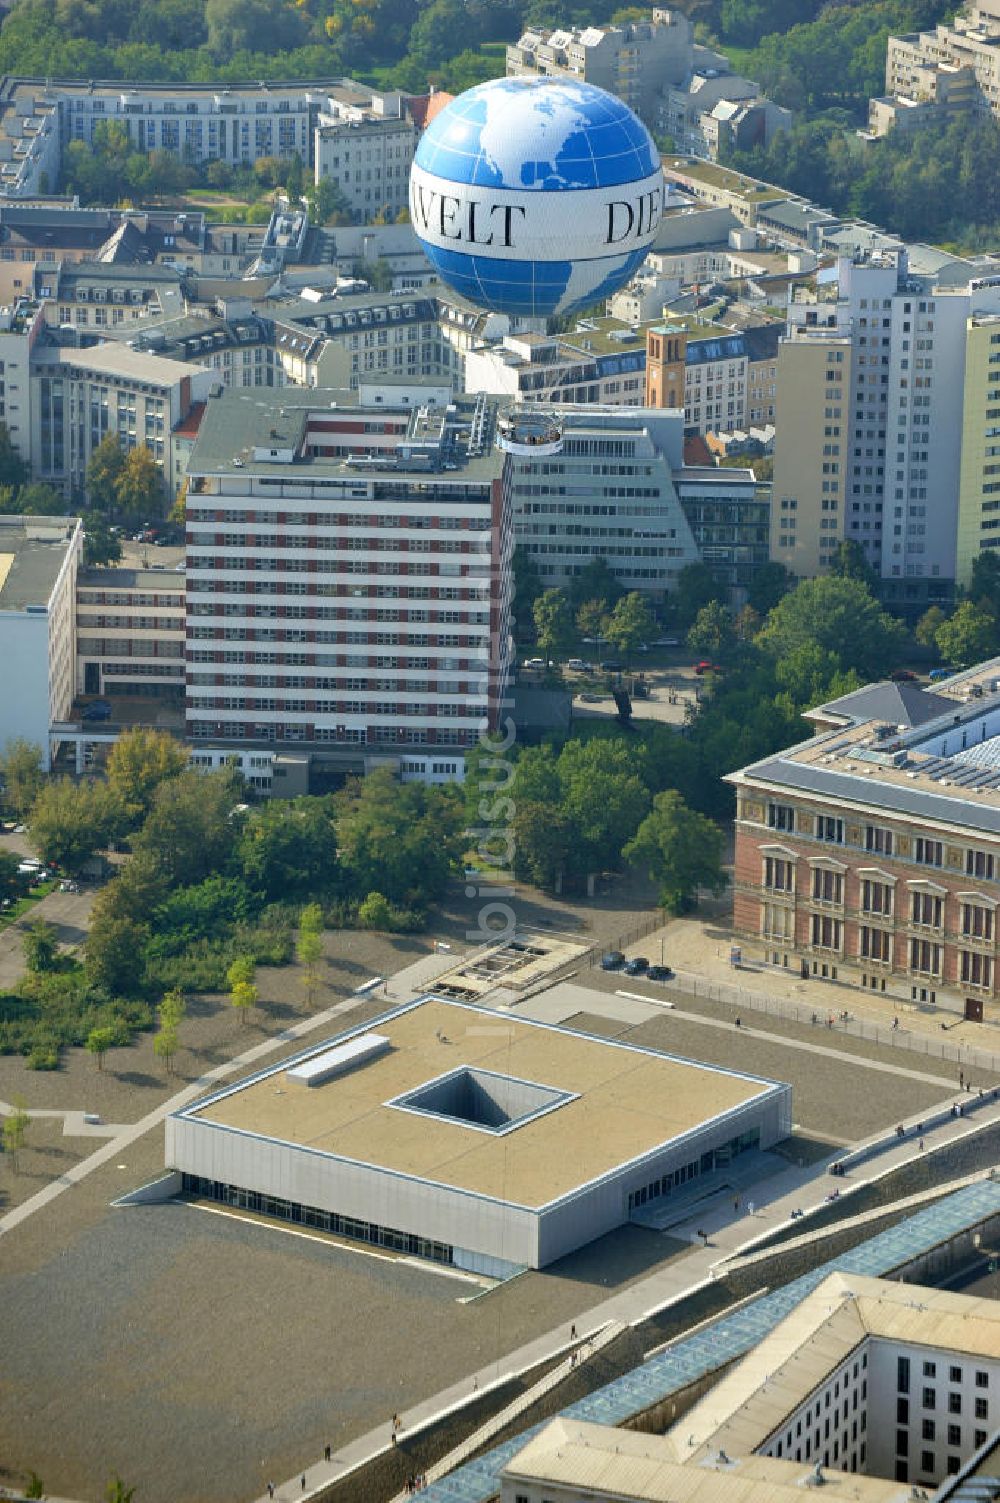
(700, 948)
(731, 1231)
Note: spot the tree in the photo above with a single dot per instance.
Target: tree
(189, 832)
(288, 848)
(101, 546)
(603, 800)
(849, 562)
(527, 588)
(712, 632)
(926, 629)
(242, 971)
(36, 499)
(680, 849)
(11, 880)
(968, 637)
(165, 1045)
(592, 619)
(103, 473)
(139, 487)
(255, 26)
(327, 203)
(35, 1487)
(117, 1492)
(13, 470)
(769, 583)
(841, 616)
(630, 624)
(595, 581)
(553, 625)
(99, 1041)
(543, 838)
(243, 996)
(70, 821)
(984, 581)
(140, 760)
(375, 912)
(172, 1011)
(15, 1131)
(114, 949)
(21, 768)
(309, 948)
(40, 946)
(696, 585)
(401, 839)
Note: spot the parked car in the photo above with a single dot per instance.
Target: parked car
(534, 663)
(577, 665)
(706, 667)
(612, 960)
(938, 673)
(659, 973)
(667, 642)
(99, 709)
(637, 965)
(591, 699)
(903, 676)
(612, 667)
(640, 689)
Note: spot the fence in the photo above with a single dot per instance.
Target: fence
(644, 926)
(966, 1056)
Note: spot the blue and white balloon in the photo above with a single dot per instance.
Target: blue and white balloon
(536, 196)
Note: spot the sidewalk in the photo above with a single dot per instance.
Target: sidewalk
(729, 1233)
(698, 950)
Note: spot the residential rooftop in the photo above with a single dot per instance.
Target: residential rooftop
(33, 551)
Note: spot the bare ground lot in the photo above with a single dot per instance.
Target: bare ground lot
(198, 1354)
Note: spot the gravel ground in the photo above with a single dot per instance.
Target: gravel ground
(197, 1354)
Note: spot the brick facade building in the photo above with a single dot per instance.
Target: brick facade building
(871, 855)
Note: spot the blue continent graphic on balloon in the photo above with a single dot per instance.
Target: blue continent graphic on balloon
(535, 140)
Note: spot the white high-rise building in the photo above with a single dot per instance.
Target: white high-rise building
(348, 580)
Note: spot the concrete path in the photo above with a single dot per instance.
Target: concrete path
(567, 999)
(729, 1233)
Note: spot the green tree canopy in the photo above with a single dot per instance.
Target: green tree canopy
(553, 625)
(190, 830)
(926, 629)
(140, 760)
(114, 952)
(840, 616)
(21, 770)
(680, 849)
(696, 585)
(603, 799)
(103, 473)
(527, 588)
(139, 487)
(592, 619)
(713, 632)
(402, 839)
(595, 581)
(289, 848)
(543, 841)
(41, 946)
(13, 470)
(969, 636)
(630, 624)
(769, 583)
(99, 1041)
(70, 821)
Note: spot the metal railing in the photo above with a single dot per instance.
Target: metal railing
(966, 1056)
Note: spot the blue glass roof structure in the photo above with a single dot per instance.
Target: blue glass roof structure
(732, 1335)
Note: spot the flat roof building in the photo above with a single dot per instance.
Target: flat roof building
(39, 559)
(472, 1137)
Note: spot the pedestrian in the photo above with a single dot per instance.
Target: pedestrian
(895, 1024)
(572, 1332)
(736, 1203)
(303, 1481)
(393, 1437)
(921, 1145)
(829, 1020)
(270, 1489)
(327, 1453)
(961, 1079)
(739, 1022)
(750, 1207)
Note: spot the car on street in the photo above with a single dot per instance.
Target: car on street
(659, 973)
(903, 676)
(591, 699)
(636, 965)
(611, 667)
(612, 960)
(577, 665)
(938, 673)
(533, 663)
(706, 667)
